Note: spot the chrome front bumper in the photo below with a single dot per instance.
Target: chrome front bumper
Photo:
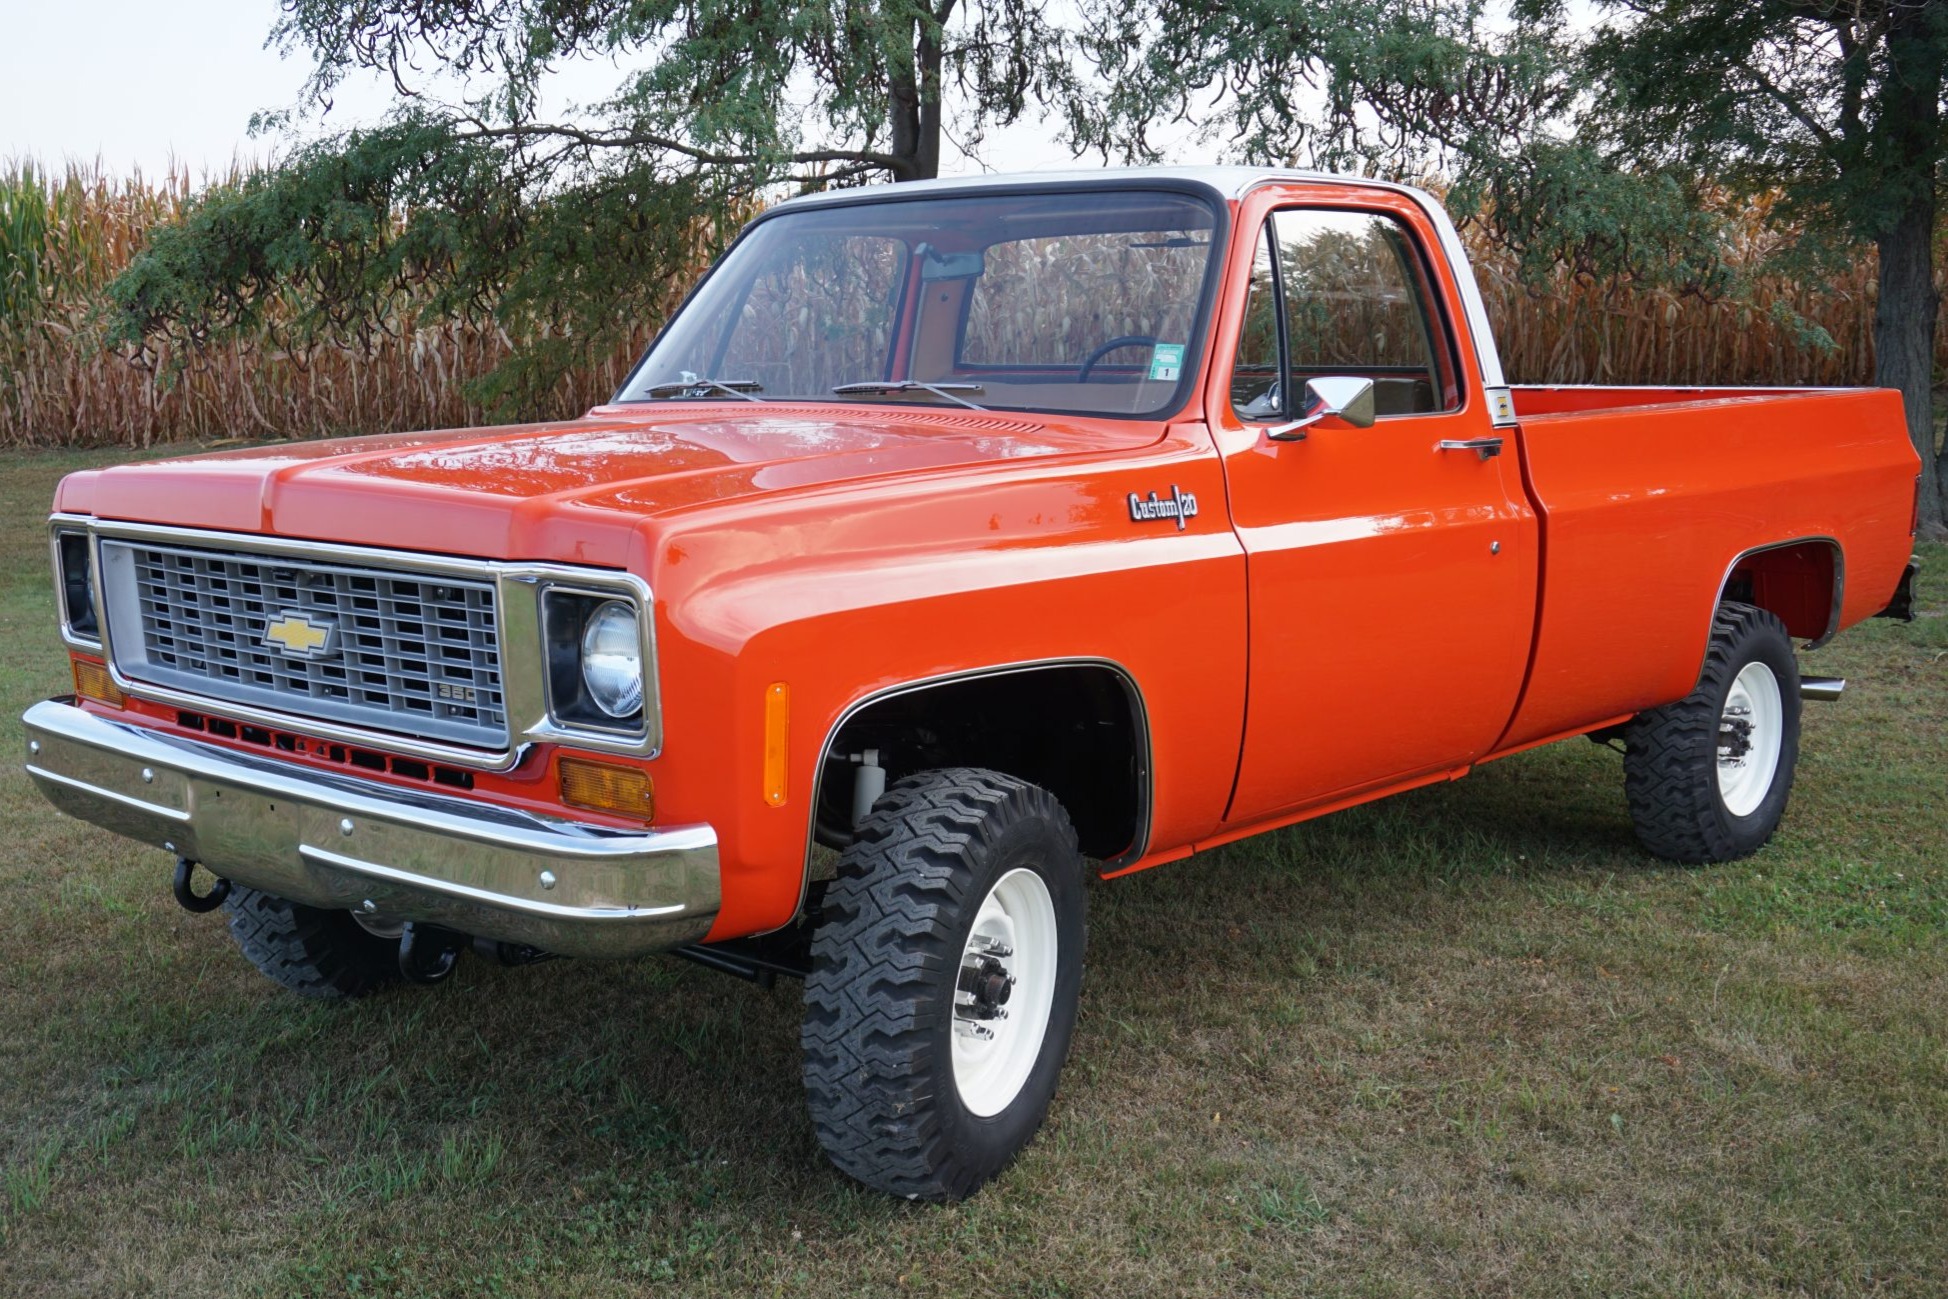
(397, 854)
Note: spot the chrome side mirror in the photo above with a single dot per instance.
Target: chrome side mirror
(1342, 397)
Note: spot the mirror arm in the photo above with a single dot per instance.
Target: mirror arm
(1295, 431)
(1354, 405)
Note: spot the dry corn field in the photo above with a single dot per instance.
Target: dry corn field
(1575, 331)
(63, 239)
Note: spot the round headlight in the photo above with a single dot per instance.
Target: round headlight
(612, 660)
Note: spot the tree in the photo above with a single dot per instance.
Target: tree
(1836, 105)
(1408, 89)
(569, 232)
(715, 83)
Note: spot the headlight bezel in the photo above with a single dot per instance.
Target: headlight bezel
(76, 587)
(568, 613)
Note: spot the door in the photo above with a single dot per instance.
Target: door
(1392, 583)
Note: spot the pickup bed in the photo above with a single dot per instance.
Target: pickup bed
(955, 541)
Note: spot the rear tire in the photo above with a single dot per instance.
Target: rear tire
(1708, 776)
(315, 953)
(945, 978)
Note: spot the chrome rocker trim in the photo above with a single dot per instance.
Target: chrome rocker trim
(348, 843)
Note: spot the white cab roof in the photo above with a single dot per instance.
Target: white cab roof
(1230, 182)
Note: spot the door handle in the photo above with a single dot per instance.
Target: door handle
(1485, 446)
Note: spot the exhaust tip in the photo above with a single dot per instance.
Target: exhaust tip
(1825, 689)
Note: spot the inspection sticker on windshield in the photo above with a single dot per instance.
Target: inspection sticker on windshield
(1167, 361)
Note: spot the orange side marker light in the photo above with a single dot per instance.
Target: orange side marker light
(777, 728)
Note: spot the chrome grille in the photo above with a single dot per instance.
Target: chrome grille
(398, 651)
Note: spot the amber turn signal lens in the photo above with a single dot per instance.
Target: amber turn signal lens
(777, 731)
(607, 787)
(91, 681)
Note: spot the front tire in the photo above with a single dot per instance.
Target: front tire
(1708, 776)
(945, 979)
(315, 953)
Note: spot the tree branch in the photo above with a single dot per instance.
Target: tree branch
(648, 140)
(1787, 102)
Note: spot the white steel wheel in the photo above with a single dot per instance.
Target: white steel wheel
(1751, 732)
(946, 975)
(1005, 990)
(1708, 775)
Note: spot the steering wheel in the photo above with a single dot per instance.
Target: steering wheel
(1127, 340)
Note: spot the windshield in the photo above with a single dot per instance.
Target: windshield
(1084, 302)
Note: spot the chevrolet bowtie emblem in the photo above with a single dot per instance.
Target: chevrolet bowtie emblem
(301, 637)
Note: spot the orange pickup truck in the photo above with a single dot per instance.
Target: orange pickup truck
(955, 542)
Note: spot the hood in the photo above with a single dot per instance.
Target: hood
(572, 492)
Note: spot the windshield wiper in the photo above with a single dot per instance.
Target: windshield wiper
(690, 383)
(871, 387)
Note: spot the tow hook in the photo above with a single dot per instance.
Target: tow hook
(428, 953)
(187, 898)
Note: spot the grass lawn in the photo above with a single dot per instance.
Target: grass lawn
(1470, 1041)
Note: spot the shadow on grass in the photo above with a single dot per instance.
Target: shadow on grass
(585, 1065)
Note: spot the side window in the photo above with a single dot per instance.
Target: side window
(1353, 299)
(1254, 378)
(822, 316)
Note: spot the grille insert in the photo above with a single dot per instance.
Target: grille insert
(407, 652)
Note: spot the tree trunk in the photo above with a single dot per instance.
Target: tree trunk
(927, 160)
(915, 97)
(1904, 330)
(916, 129)
(1904, 320)
(903, 98)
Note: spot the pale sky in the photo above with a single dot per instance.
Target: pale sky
(137, 85)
